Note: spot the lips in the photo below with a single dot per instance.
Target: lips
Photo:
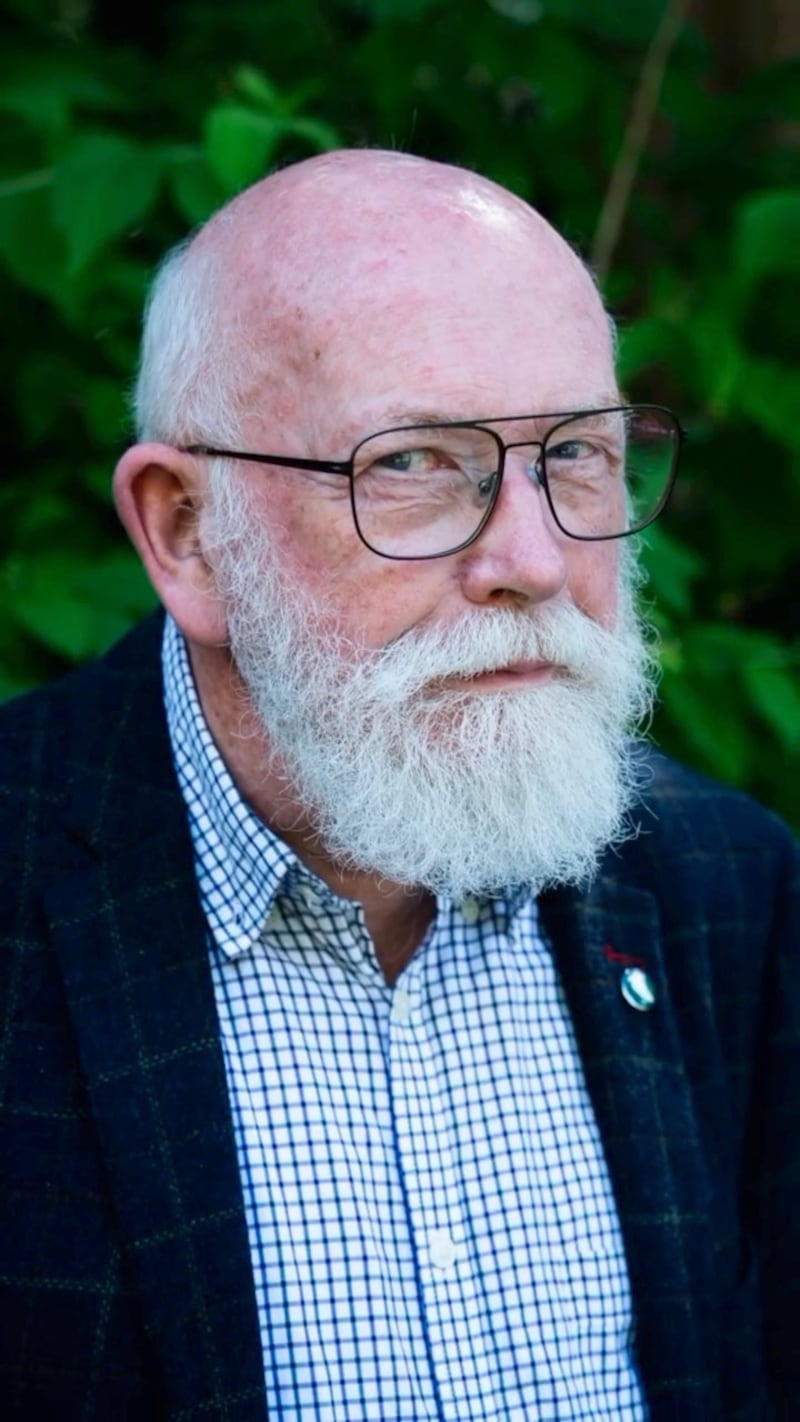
(515, 674)
(517, 671)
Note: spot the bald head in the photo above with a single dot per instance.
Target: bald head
(298, 244)
(267, 302)
(334, 208)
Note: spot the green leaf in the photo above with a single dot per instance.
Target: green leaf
(724, 648)
(717, 358)
(767, 234)
(196, 191)
(30, 245)
(240, 144)
(709, 724)
(105, 187)
(769, 393)
(105, 410)
(650, 341)
(775, 693)
(46, 89)
(319, 135)
(523, 12)
(252, 84)
(671, 568)
(119, 582)
(631, 21)
(76, 607)
(95, 478)
(45, 517)
(401, 9)
(44, 389)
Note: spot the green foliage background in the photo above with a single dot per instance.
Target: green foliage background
(121, 129)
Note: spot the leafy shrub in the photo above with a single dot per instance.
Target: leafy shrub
(117, 141)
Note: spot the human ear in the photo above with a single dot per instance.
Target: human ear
(159, 493)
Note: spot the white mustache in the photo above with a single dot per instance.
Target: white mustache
(485, 641)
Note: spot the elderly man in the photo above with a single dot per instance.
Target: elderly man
(389, 1035)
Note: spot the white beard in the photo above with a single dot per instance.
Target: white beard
(456, 791)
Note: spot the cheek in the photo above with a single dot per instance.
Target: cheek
(371, 599)
(594, 580)
(377, 600)
(313, 529)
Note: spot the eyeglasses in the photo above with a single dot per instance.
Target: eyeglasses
(428, 490)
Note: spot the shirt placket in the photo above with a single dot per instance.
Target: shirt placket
(424, 1134)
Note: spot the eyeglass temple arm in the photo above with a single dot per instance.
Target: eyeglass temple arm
(321, 466)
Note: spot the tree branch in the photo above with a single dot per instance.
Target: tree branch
(634, 141)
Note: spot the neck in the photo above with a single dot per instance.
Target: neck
(397, 917)
(397, 930)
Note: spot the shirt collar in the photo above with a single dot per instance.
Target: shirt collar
(241, 865)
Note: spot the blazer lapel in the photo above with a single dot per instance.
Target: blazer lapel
(636, 1078)
(131, 940)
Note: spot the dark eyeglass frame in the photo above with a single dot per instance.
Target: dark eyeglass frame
(346, 467)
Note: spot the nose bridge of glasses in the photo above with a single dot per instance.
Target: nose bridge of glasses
(524, 496)
(520, 534)
(531, 461)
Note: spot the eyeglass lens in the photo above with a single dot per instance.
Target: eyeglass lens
(424, 491)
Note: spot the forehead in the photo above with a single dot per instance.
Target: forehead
(462, 342)
(464, 305)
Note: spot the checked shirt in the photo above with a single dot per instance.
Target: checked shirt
(432, 1227)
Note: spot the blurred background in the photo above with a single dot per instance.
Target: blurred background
(660, 138)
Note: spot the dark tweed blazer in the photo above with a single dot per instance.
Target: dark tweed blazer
(125, 1280)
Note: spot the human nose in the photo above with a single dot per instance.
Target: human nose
(520, 555)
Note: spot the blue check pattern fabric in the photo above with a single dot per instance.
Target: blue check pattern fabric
(432, 1227)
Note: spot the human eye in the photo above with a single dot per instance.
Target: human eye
(587, 451)
(569, 451)
(433, 458)
(434, 465)
(421, 461)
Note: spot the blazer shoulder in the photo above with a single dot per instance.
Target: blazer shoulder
(61, 730)
(136, 655)
(681, 810)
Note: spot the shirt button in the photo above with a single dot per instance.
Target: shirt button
(470, 910)
(402, 1005)
(442, 1249)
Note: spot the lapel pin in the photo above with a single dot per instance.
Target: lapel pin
(637, 989)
